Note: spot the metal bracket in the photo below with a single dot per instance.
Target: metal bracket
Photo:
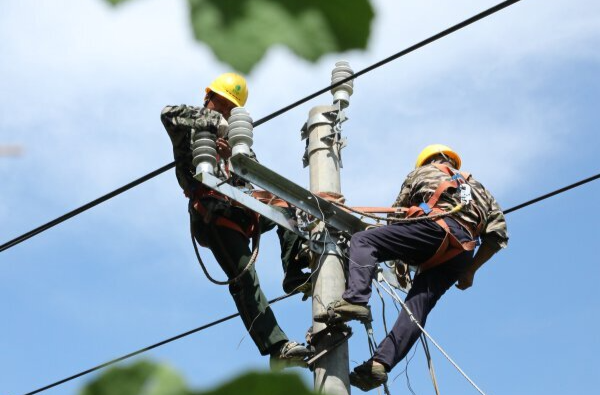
(248, 201)
(332, 115)
(328, 117)
(296, 195)
(330, 338)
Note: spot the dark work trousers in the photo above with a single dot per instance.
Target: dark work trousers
(232, 252)
(413, 243)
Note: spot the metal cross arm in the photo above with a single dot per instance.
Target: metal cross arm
(248, 201)
(296, 195)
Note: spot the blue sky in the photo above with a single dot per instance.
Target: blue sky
(82, 88)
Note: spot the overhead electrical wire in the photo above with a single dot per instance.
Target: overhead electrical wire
(142, 350)
(550, 194)
(171, 339)
(166, 167)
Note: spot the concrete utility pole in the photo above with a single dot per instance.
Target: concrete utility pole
(323, 154)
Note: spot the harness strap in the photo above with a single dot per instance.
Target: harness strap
(448, 248)
(270, 199)
(450, 245)
(227, 223)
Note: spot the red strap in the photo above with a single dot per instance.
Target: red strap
(416, 211)
(227, 223)
(448, 249)
(268, 198)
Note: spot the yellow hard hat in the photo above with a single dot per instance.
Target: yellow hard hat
(435, 149)
(232, 87)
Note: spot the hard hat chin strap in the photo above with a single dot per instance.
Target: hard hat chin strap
(447, 159)
(207, 97)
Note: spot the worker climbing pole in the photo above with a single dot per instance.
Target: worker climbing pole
(323, 131)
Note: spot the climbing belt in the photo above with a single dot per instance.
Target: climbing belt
(397, 220)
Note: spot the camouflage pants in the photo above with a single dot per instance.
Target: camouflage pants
(232, 252)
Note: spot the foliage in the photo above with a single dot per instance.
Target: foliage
(149, 378)
(141, 378)
(240, 32)
(116, 2)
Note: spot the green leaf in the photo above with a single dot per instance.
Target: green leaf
(262, 384)
(150, 378)
(116, 2)
(241, 31)
(141, 378)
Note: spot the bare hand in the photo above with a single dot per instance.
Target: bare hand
(465, 280)
(223, 148)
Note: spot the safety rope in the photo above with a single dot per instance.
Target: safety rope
(251, 261)
(395, 296)
(171, 165)
(372, 343)
(429, 363)
(434, 217)
(459, 207)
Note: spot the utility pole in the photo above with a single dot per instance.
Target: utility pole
(323, 157)
(328, 225)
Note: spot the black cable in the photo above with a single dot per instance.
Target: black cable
(169, 340)
(546, 196)
(259, 122)
(397, 55)
(85, 207)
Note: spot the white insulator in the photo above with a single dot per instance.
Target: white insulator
(204, 152)
(342, 93)
(240, 134)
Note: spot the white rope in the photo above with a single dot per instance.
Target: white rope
(394, 295)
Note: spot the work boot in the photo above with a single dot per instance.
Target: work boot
(289, 354)
(368, 376)
(341, 310)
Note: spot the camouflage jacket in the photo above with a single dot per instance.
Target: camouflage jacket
(422, 182)
(179, 122)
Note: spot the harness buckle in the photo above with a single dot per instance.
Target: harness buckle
(465, 194)
(425, 207)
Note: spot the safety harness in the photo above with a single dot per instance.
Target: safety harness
(219, 205)
(215, 213)
(450, 246)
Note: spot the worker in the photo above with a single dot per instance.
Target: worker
(442, 214)
(226, 228)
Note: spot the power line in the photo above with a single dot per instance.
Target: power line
(85, 207)
(546, 196)
(140, 351)
(171, 339)
(155, 173)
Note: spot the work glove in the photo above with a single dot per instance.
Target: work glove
(465, 280)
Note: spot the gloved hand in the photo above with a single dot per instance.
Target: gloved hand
(465, 280)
